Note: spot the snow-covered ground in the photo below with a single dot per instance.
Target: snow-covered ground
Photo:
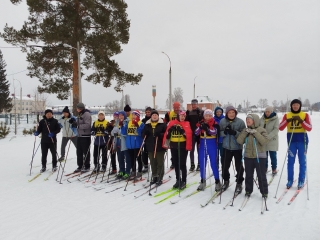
(48, 210)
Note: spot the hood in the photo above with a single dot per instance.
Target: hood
(256, 119)
(218, 108)
(124, 114)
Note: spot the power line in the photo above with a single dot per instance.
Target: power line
(17, 72)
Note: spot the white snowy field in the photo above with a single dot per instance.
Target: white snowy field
(49, 210)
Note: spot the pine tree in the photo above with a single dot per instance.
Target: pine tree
(5, 100)
(100, 27)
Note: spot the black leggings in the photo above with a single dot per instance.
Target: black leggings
(183, 162)
(53, 149)
(133, 153)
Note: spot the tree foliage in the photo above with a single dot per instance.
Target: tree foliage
(5, 100)
(100, 27)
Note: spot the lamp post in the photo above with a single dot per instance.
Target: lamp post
(170, 95)
(194, 87)
(20, 96)
(122, 99)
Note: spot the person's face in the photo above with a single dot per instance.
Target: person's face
(121, 117)
(115, 117)
(79, 110)
(134, 117)
(176, 109)
(267, 113)
(194, 106)
(148, 113)
(249, 122)
(154, 117)
(231, 114)
(128, 113)
(207, 117)
(218, 113)
(182, 117)
(295, 106)
(100, 116)
(48, 115)
(65, 114)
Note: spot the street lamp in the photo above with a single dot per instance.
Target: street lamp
(194, 87)
(170, 95)
(20, 96)
(79, 67)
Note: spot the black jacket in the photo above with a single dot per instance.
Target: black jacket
(194, 117)
(150, 140)
(53, 126)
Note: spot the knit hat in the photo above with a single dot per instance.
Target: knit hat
(231, 108)
(127, 108)
(176, 104)
(47, 111)
(293, 102)
(269, 109)
(116, 114)
(80, 106)
(182, 113)
(154, 112)
(101, 112)
(251, 117)
(136, 112)
(194, 101)
(208, 112)
(66, 110)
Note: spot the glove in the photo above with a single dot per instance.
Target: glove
(289, 119)
(51, 135)
(74, 125)
(180, 130)
(251, 131)
(297, 118)
(72, 120)
(135, 123)
(204, 126)
(60, 125)
(93, 133)
(229, 131)
(36, 133)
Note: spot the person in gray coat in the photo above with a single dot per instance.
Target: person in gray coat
(270, 122)
(83, 124)
(230, 128)
(68, 132)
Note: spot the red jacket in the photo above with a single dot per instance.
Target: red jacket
(186, 127)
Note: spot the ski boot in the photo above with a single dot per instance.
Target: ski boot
(192, 167)
(225, 185)
(43, 169)
(238, 188)
(218, 186)
(202, 185)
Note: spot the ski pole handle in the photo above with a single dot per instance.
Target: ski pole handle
(141, 146)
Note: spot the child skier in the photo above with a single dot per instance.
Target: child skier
(178, 137)
(207, 129)
(99, 129)
(297, 123)
(153, 132)
(255, 139)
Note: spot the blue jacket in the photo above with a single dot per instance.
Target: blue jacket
(218, 119)
(133, 141)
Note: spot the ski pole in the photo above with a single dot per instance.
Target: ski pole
(233, 167)
(110, 153)
(242, 160)
(206, 159)
(55, 146)
(85, 157)
(262, 187)
(223, 168)
(107, 146)
(155, 148)
(294, 126)
(64, 165)
(305, 152)
(179, 154)
(34, 145)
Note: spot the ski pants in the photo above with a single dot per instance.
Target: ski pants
(293, 149)
(208, 147)
(227, 159)
(113, 160)
(64, 143)
(251, 164)
(83, 151)
(157, 164)
(53, 149)
(195, 145)
(97, 150)
(133, 153)
(273, 157)
(180, 164)
(145, 156)
(124, 161)
(220, 153)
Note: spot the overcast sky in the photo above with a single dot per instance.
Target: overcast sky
(238, 49)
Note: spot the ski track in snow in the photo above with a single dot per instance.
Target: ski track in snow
(49, 210)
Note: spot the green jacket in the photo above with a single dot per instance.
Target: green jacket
(261, 137)
(272, 127)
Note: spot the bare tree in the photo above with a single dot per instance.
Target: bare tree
(263, 103)
(126, 100)
(275, 104)
(113, 106)
(176, 97)
(306, 103)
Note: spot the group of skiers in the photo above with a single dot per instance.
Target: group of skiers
(213, 134)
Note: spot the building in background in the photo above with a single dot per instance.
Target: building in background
(28, 105)
(204, 102)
